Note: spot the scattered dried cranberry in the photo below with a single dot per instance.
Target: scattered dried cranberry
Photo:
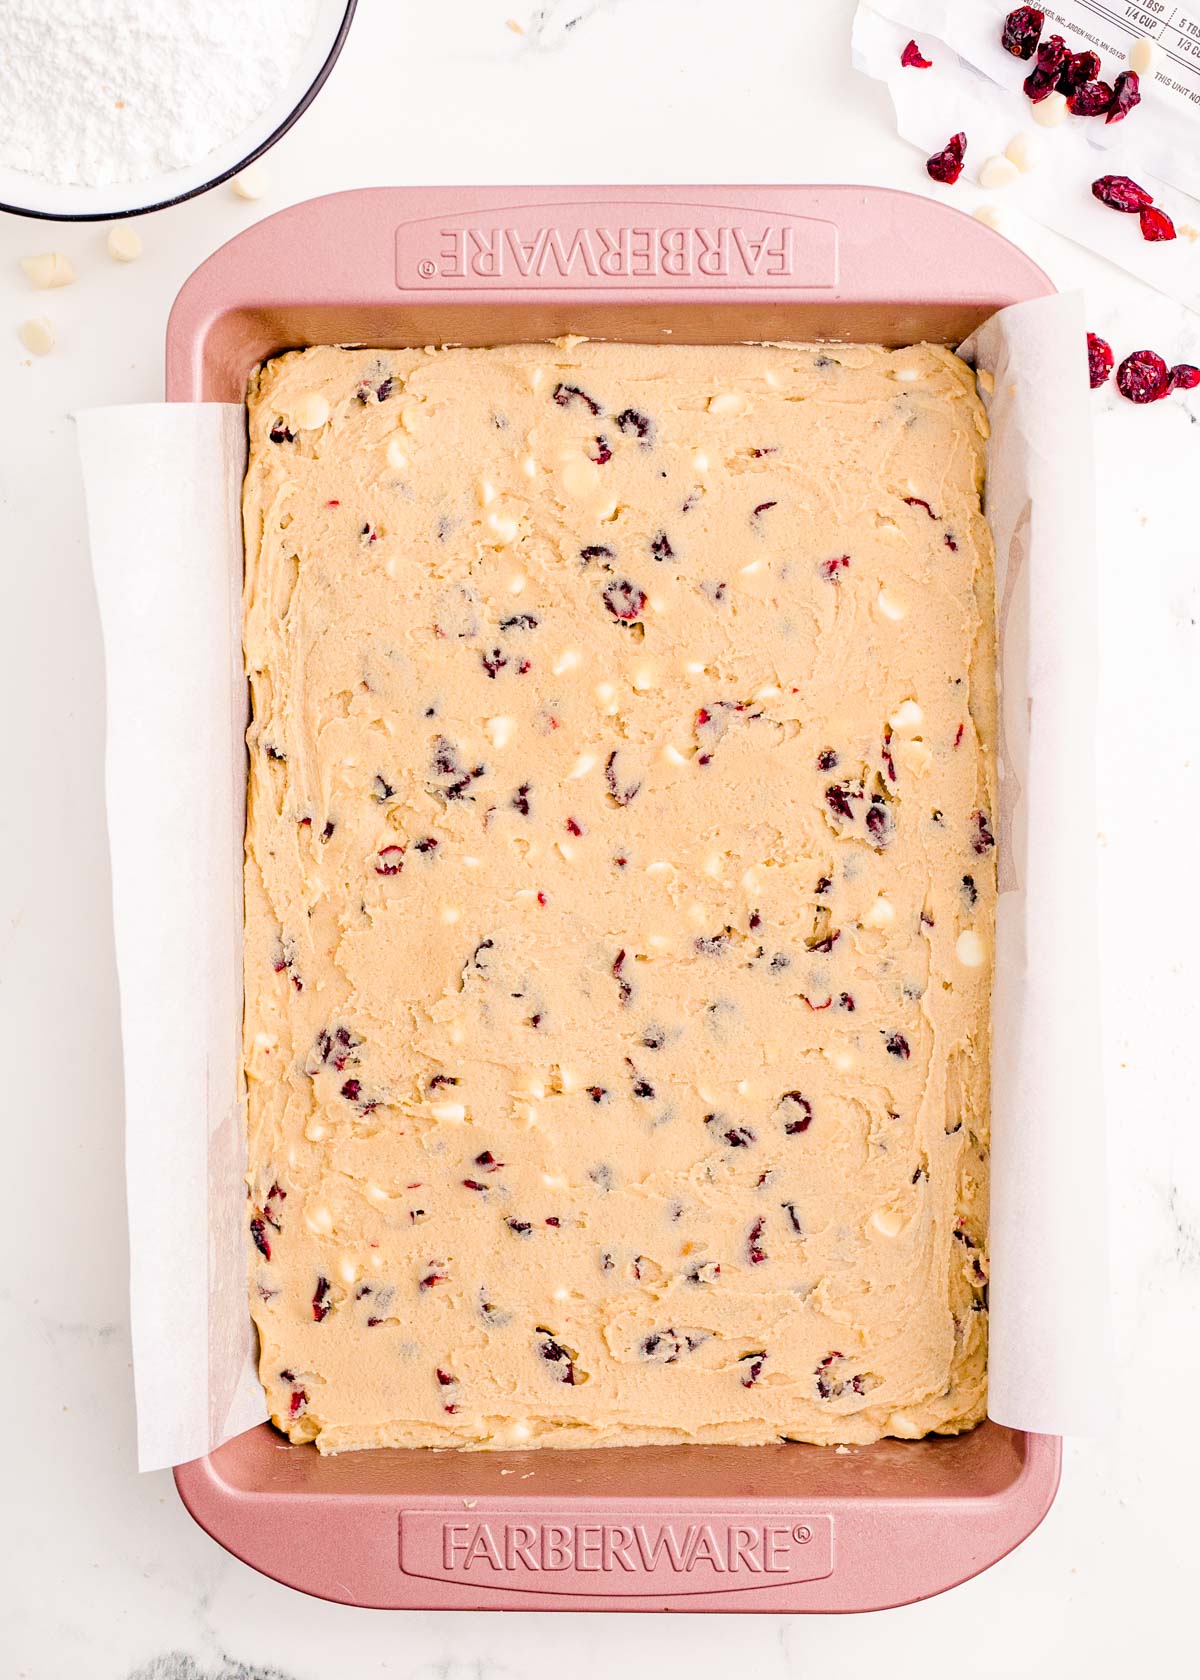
(947, 165)
(624, 600)
(911, 58)
(1022, 31)
(620, 795)
(897, 1045)
(984, 838)
(754, 1365)
(1126, 94)
(297, 1402)
(801, 1112)
(1156, 225)
(565, 395)
(279, 433)
(629, 420)
(754, 1248)
(390, 861)
(660, 547)
(1042, 80)
(603, 452)
(1078, 69)
(831, 570)
(1183, 377)
(827, 760)
(320, 1305)
(1091, 100)
(352, 1090)
(1100, 364)
(1143, 378)
(258, 1230)
(1120, 193)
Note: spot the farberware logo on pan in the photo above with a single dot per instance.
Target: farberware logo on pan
(566, 1554)
(598, 245)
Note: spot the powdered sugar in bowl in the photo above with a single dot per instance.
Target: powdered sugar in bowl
(114, 107)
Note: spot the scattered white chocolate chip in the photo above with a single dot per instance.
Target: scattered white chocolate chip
(377, 1195)
(319, 1219)
(486, 492)
(988, 215)
(252, 182)
(520, 1432)
(376, 1262)
(48, 270)
(914, 756)
(516, 583)
(768, 691)
(657, 604)
(694, 668)
(907, 716)
(314, 1132)
(880, 913)
(1143, 55)
(659, 942)
(584, 763)
(504, 528)
(38, 335)
(714, 865)
(645, 678)
(124, 242)
(671, 754)
(888, 1222)
(500, 730)
(553, 1181)
(727, 402)
(471, 863)
(450, 914)
(1051, 111)
(578, 476)
(561, 1294)
(891, 606)
(310, 412)
(1022, 150)
(265, 1041)
(396, 458)
(348, 1271)
(751, 881)
(997, 172)
(970, 949)
(906, 375)
(700, 462)
(842, 1060)
(565, 850)
(529, 467)
(659, 867)
(448, 1113)
(458, 1033)
(697, 914)
(567, 660)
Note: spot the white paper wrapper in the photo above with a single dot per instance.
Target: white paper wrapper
(163, 493)
(975, 86)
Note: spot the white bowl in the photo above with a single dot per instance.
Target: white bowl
(26, 195)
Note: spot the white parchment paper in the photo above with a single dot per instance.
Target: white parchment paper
(163, 488)
(975, 86)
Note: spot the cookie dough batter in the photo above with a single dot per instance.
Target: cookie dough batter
(619, 894)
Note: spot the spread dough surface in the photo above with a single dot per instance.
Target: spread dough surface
(619, 894)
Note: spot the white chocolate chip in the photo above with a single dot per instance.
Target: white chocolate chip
(565, 851)
(516, 583)
(505, 529)
(714, 865)
(48, 270)
(450, 914)
(700, 462)
(842, 1060)
(727, 402)
(529, 467)
(567, 660)
(1051, 111)
(1143, 55)
(500, 730)
(521, 1431)
(997, 172)
(768, 691)
(907, 716)
(252, 182)
(751, 881)
(486, 492)
(671, 754)
(891, 606)
(657, 604)
(347, 1270)
(448, 1113)
(124, 242)
(1023, 150)
(562, 1294)
(988, 215)
(906, 375)
(396, 458)
(659, 942)
(310, 412)
(458, 1033)
(914, 756)
(584, 763)
(265, 1041)
(377, 1195)
(314, 1132)
(970, 949)
(644, 678)
(659, 867)
(319, 1219)
(888, 1222)
(578, 476)
(38, 335)
(879, 914)
(697, 914)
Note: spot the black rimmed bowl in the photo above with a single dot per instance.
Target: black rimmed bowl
(25, 195)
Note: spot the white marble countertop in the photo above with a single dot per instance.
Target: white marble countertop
(104, 1574)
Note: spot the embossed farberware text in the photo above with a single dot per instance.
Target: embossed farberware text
(714, 1553)
(553, 245)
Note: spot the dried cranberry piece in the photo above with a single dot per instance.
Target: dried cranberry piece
(1078, 69)
(390, 861)
(897, 1045)
(947, 165)
(603, 452)
(297, 1402)
(280, 433)
(755, 1251)
(801, 1112)
(1183, 377)
(660, 547)
(1022, 31)
(618, 794)
(258, 1230)
(912, 59)
(1156, 225)
(565, 395)
(1143, 378)
(1091, 100)
(519, 1227)
(557, 1354)
(1100, 363)
(838, 798)
(880, 825)
(596, 551)
(1042, 80)
(624, 600)
(831, 570)
(1121, 193)
(827, 759)
(629, 420)
(1126, 94)
(352, 1090)
(754, 1365)
(320, 1305)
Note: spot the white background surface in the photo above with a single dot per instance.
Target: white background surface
(102, 1573)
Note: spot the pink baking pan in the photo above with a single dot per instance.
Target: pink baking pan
(784, 1528)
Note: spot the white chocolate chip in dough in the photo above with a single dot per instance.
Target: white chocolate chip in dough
(448, 1113)
(396, 458)
(728, 403)
(645, 678)
(450, 914)
(891, 606)
(671, 754)
(310, 411)
(1023, 150)
(38, 335)
(585, 763)
(997, 172)
(843, 1060)
(348, 1271)
(1051, 111)
(319, 1219)
(880, 913)
(915, 756)
(907, 717)
(700, 462)
(520, 1432)
(970, 949)
(516, 583)
(567, 660)
(578, 476)
(888, 1222)
(1143, 55)
(505, 529)
(124, 243)
(48, 270)
(486, 491)
(252, 182)
(500, 730)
